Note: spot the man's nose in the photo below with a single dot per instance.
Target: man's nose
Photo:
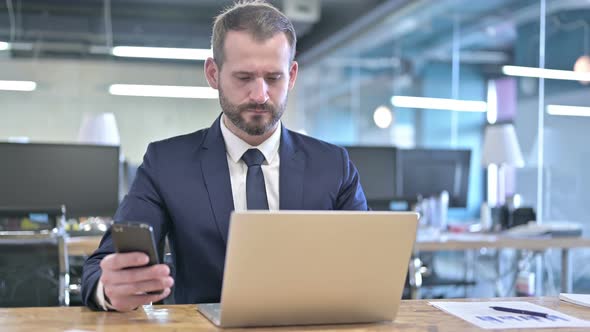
(259, 93)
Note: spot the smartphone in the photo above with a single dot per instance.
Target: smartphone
(136, 237)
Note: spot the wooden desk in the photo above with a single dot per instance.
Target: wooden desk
(455, 242)
(476, 241)
(82, 245)
(413, 316)
(85, 245)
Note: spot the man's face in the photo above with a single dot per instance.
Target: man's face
(254, 81)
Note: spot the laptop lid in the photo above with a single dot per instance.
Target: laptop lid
(315, 267)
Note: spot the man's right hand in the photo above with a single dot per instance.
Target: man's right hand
(126, 280)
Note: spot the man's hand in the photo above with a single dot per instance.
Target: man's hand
(126, 288)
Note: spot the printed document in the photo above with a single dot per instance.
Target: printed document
(481, 315)
(579, 299)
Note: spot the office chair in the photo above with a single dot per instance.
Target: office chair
(33, 263)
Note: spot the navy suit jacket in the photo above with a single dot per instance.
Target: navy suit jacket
(183, 190)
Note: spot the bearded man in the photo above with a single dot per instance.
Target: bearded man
(187, 186)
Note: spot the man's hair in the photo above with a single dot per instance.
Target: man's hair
(257, 17)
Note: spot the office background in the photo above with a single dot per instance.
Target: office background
(354, 57)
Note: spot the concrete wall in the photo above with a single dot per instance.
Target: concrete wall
(69, 88)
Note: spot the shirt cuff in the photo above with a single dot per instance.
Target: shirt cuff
(101, 299)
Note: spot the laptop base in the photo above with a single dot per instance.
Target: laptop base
(212, 311)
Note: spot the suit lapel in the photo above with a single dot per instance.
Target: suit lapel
(216, 176)
(291, 171)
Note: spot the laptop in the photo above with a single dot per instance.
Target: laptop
(313, 267)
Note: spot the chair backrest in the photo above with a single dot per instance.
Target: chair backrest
(33, 259)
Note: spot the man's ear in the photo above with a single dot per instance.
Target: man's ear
(212, 73)
(293, 74)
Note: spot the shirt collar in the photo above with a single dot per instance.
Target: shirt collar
(236, 147)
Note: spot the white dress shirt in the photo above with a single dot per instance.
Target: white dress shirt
(235, 148)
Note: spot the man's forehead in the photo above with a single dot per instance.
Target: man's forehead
(245, 71)
(245, 41)
(244, 53)
(251, 35)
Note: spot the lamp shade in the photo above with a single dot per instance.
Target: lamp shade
(500, 146)
(99, 128)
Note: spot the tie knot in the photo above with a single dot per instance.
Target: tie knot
(253, 157)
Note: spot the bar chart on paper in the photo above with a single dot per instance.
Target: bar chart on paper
(484, 316)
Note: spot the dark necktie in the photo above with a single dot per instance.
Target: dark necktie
(255, 188)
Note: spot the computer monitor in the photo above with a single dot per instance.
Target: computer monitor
(82, 177)
(428, 172)
(376, 167)
(391, 174)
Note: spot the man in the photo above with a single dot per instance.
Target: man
(188, 185)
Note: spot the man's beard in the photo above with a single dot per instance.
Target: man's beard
(257, 125)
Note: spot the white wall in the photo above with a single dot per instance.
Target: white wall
(69, 88)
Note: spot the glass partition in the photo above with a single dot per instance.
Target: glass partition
(480, 52)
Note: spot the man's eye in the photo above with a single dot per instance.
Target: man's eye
(244, 78)
(273, 78)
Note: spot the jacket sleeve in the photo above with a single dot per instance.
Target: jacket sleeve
(144, 204)
(351, 195)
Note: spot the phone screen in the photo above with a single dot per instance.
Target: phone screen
(135, 237)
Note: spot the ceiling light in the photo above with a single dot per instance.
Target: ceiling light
(162, 52)
(383, 117)
(582, 65)
(568, 110)
(4, 46)
(170, 91)
(18, 85)
(439, 104)
(545, 73)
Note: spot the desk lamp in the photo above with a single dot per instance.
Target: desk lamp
(99, 128)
